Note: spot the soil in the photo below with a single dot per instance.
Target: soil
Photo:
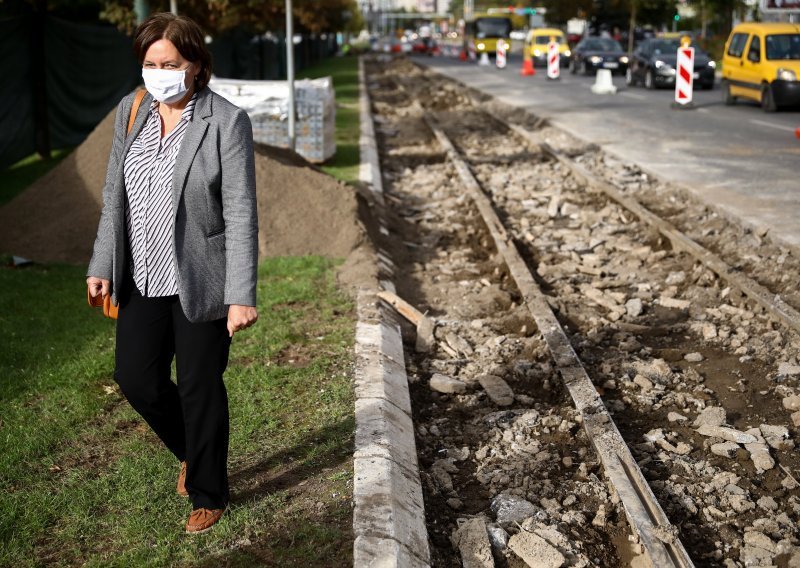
(661, 337)
(301, 210)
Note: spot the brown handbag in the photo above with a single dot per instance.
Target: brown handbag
(109, 309)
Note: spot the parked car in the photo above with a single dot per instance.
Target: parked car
(593, 53)
(762, 63)
(654, 60)
(537, 41)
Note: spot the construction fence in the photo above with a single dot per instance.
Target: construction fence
(61, 78)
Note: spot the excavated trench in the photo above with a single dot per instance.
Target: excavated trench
(684, 364)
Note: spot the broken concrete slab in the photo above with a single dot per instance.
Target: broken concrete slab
(535, 550)
(711, 416)
(497, 389)
(447, 385)
(472, 541)
(725, 433)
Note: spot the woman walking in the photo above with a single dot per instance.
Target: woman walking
(176, 249)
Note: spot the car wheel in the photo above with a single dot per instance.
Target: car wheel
(767, 100)
(708, 86)
(649, 80)
(629, 77)
(727, 97)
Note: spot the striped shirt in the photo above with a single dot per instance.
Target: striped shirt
(148, 170)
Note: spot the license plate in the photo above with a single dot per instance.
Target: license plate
(611, 65)
(696, 75)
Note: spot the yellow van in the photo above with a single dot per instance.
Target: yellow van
(536, 44)
(762, 63)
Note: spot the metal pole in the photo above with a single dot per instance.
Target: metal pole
(290, 70)
(173, 6)
(142, 10)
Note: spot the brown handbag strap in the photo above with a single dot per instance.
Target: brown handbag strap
(137, 100)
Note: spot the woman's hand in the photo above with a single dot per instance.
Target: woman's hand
(241, 317)
(98, 286)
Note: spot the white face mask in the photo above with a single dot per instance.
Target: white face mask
(166, 85)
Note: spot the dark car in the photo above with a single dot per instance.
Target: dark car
(593, 53)
(654, 60)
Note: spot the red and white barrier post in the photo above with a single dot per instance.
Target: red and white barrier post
(472, 54)
(553, 60)
(684, 75)
(500, 59)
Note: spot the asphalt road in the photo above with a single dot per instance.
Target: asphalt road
(739, 158)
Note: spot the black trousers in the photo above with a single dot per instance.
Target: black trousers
(191, 418)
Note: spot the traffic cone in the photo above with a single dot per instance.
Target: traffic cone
(462, 55)
(484, 60)
(527, 64)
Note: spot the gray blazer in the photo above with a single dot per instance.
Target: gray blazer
(215, 226)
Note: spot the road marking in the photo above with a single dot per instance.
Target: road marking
(702, 110)
(634, 96)
(771, 125)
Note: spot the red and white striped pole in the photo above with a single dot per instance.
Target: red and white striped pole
(553, 60)
(500, 59)
(684, 75)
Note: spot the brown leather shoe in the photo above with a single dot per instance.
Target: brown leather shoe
(182, 481)
(202, 520)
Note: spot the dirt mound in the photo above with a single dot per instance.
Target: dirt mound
(301, 210)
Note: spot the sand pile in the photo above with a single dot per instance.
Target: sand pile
(301, 210)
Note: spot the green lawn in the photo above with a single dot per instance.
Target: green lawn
(84, 482)
(344, 71)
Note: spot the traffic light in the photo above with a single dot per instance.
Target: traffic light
(677, 17)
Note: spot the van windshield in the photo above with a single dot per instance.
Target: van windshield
(783, 46)
(545, 39)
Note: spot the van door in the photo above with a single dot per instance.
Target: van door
(750, 69)
(733, 63)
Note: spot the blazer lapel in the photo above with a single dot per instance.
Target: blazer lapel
(192, 138)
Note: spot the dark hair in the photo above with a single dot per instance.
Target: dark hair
(184, 33)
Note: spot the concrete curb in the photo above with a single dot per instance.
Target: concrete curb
(389, 513)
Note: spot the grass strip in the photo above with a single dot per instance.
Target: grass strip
(83, 481)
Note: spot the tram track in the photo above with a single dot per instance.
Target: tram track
(584, 268)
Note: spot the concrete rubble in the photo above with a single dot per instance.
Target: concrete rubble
(676, 354)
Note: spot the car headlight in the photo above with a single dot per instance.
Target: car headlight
(712, 64)
(567, 53)
(536, 53)
(787, 75)
(596, 59)
(623, 59)
(659, 64)
(481, 45)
